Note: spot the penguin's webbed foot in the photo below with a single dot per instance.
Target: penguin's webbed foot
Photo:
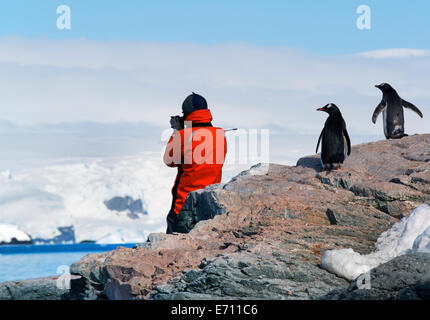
(336, 166)
(326, 167)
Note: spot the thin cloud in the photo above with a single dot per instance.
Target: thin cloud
(395, 53)
(53, 81)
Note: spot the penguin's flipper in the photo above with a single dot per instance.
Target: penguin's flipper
(378, 110)
(319, 140)
(348, 141)
(412, 107)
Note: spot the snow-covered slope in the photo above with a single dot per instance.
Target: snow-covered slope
(72, 193)
(411, 234)
(10, 232)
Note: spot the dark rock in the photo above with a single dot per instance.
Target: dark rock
(310, 162)
(331, 217)
(237, 235)
(406, 277)
(199, 205)
(33, 289)
(244, 276)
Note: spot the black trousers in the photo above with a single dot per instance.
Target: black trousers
(172, 222)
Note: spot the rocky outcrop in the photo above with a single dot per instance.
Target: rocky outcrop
(262, 275)
(200, 205)
(262, 234)
(33, 289)
(406, 277)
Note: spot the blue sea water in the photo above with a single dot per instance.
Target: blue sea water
(20, 262)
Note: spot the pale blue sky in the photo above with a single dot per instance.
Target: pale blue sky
(110, 89)
(327, 27)
(136, 60)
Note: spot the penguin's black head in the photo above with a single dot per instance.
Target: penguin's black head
(384, 87)
(330, 108)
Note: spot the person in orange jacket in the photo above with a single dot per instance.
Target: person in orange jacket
(197, 149)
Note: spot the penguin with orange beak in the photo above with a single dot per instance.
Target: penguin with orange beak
(336, 144)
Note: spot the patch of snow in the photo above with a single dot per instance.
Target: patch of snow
(9, 231)
(422, 243)
(411, 234)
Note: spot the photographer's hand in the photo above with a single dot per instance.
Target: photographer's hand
(177, 122)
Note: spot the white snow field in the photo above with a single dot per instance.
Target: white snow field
(8, 232)
(411, 234)
(72, 193)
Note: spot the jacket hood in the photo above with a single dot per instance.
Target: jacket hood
(199, 116)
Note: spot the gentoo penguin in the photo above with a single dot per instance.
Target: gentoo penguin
(392, 112)
(335, 139)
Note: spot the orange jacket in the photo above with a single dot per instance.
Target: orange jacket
(198, 153)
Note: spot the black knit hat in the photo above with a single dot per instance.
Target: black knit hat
(192, 103)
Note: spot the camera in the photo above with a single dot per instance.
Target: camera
(177, 122)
